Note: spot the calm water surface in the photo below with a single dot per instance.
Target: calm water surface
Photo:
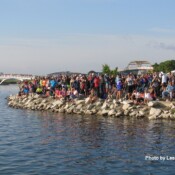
(46, 143)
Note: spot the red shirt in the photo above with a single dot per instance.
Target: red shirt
(96, 82)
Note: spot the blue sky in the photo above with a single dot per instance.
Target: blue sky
(43, 36)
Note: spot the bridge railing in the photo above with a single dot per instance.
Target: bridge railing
(16, 76)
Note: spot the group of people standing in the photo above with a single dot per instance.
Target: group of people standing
(139, 88)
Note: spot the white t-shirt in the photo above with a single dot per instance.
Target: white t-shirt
(164, 78)
(129, 81)
(147, 95)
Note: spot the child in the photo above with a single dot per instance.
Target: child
(147, 96)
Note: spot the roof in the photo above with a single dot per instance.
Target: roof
(138, 64)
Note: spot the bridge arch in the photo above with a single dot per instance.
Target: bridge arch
(5, 77)
(3, 80)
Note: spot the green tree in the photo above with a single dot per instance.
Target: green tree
(107, 70)
(166, 66)
(156, 67)
(114, 71)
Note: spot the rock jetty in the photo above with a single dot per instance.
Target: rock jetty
(110, 107)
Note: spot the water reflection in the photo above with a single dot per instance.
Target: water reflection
(46, 143)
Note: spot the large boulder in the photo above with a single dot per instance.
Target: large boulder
(79, 102)
(88, 112)
(126, 106)
(127, 102)
(152, 117)
(142, 113)
(111, 112)
(119, 114)
(89, 107)
(87, 100)
(79, 106)
(105, 105)
(133, 114)
(155, 104)
(155, 111)
(104, 112)
(126, 112)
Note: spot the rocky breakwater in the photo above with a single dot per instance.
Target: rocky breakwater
(112, 108)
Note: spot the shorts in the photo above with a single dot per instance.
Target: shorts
(130, 89)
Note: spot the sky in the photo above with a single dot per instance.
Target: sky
(44, 36)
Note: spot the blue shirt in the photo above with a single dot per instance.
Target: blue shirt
(53, 83)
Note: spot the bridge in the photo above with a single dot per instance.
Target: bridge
(20, 77)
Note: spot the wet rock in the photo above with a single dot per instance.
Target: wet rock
(94, 111)
(152, 117)
(142, 113)
(104, 112)
(88, 112)
(119, 114)
(126, 112)
(99, 113)
(61, 110)
(111, 112)
(133, 114)
(164, 116)
(172, 116)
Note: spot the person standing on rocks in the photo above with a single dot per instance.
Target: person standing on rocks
(168, 91)
(119, 87)
(129, 83)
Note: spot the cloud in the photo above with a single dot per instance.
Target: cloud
(80, 52)
(162, 45)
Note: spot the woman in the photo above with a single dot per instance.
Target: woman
(119, 87)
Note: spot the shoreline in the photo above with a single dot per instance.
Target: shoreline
(109, 107)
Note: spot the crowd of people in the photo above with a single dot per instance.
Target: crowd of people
(139, 88)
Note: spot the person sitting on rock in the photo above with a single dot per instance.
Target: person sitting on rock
(92, 96)
(137, 97)
(147, 96)
(57, 93)
(74, 94)
(64, 92)
(39, 90)
(168, 91)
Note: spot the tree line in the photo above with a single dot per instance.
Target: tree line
(165, 66)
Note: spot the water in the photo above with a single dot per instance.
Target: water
(46, 143)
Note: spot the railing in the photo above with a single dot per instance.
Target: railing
(5, 76)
